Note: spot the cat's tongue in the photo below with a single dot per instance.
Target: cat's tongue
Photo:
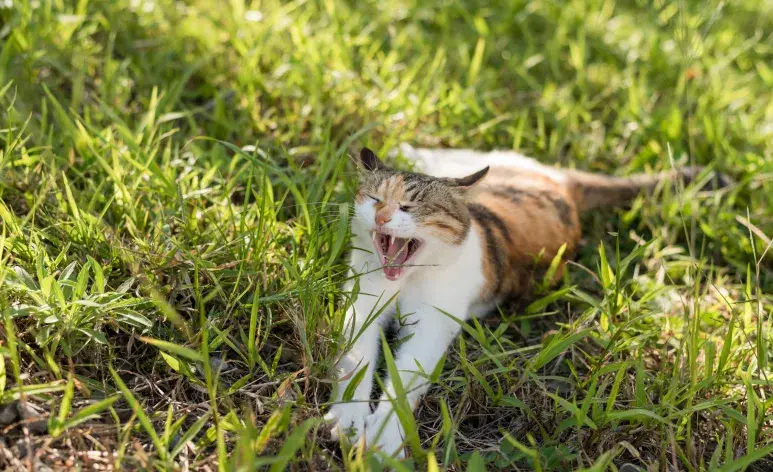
(396, 254)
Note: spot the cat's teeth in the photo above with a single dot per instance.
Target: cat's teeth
(391, 240)
(374, 237)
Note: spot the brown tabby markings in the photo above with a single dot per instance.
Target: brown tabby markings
(522, 216)
(518, 215)
(528, 218)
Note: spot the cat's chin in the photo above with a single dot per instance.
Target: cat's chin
(395, 253)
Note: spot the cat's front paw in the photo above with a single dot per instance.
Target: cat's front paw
(347, 419)
(384, 431)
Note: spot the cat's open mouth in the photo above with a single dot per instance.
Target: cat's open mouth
(394, 252)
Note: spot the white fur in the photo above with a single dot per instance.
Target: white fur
(441, 277)
(461, 162)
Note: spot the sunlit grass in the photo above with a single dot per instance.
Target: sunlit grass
(174, 196)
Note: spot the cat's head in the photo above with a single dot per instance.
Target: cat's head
(411, 220)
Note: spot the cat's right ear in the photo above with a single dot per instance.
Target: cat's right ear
(369, 160)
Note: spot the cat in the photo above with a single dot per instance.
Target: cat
(471, 231)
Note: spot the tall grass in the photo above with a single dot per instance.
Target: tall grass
(174, 198)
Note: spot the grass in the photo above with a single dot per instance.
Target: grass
(174, 188)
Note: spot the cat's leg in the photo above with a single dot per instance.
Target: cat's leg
(429, 333)
(363, 325)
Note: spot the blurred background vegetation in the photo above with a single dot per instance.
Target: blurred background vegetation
(173, 187)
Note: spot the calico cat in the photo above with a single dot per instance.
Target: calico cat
(471, 231)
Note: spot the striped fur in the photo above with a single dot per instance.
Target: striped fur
(522, 217)
(525, 211)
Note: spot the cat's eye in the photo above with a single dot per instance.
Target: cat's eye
(406, 208)
(373, 198)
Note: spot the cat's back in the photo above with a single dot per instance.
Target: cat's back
(462, 162)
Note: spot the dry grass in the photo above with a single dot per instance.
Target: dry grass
(173, 188)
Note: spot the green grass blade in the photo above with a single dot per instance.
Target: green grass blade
(632, 415)
(292, 444)
(56, 423)
(743, 462)
(140, 412)
(400, 404)
(90, 412)
(555, 347)
(176, 349)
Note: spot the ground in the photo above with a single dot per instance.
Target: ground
(174, 188)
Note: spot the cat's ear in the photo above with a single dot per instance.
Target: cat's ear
(369, 160)
(468, 182)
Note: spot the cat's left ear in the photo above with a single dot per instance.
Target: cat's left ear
(468, 182)
(369, 160)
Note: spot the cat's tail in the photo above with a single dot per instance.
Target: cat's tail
(598, 190)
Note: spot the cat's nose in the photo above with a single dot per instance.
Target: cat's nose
(383, 218)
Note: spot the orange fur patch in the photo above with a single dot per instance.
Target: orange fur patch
(522, 224)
